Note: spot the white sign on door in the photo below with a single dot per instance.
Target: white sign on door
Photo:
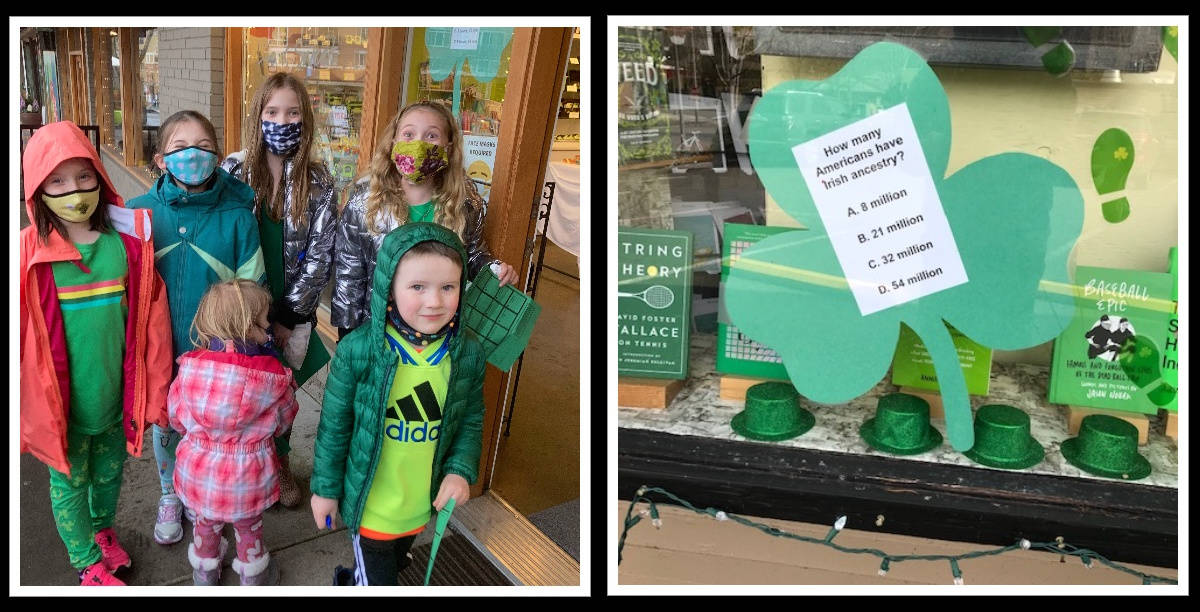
(872, 187)
(479, 159)
(464, 38)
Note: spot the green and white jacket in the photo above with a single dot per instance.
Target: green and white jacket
(199, 239)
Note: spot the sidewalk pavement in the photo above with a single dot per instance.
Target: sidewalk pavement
(305, 555)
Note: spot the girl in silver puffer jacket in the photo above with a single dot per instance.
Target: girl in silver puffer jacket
(416, 174)
(294, 202)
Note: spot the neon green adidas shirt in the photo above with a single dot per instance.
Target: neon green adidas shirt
(398, 501)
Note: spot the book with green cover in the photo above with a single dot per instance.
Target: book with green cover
(913, 367)
(1110, 355)
(1170, 353)
(654, 299)
(736, 352)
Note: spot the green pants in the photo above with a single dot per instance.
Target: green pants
(86, 501)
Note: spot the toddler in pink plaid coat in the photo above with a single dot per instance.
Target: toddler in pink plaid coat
(231, 398)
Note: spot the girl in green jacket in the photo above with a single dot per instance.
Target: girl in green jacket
(204, 232)
(402, 420)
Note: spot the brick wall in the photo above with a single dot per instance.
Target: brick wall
(191, 64)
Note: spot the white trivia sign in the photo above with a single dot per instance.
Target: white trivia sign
(872, 187)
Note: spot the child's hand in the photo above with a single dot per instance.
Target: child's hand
(505, 273)
(322, 508)
(454, 486)
(282, 335)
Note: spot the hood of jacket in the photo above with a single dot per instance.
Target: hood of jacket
(394, 246)
(224, 193)
(50, 146)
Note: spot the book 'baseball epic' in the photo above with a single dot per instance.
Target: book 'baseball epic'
(1111, 355)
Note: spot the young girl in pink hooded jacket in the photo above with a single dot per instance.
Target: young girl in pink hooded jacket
(230, 400)
(95, 341)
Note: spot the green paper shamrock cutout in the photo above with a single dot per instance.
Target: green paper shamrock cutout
(1014, 218)
(1059, 59)
(1170, 36)
(484, 59)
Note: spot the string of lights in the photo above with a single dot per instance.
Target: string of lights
(1087, 557)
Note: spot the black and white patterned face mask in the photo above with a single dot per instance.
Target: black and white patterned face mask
(413, 336)
(281, 138)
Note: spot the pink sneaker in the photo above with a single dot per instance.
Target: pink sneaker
(96, 575)
(115, 557)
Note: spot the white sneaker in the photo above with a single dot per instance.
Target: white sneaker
(167, 528)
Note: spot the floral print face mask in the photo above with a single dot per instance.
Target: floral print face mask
(418, 160)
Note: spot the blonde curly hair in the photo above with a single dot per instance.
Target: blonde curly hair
(451, 186)
(229, 310)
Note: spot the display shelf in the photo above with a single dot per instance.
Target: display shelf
(691, 450)
(569, 100)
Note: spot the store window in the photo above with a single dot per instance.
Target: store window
(720, 131)
(89, 54)
(31, 89)
(683, 99)
(333, 64)
(467, 70)
(115, 138)
(148, 82)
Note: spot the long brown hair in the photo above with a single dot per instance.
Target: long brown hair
(229, 310)
(450, 185)
(255, 170)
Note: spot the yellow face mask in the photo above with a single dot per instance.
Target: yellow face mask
(75, 206)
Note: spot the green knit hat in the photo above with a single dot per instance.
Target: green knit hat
(772, 413)
(1106, 446)
(1002, 439)
(901, 426)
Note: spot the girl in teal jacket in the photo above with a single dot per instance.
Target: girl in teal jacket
(204, 232)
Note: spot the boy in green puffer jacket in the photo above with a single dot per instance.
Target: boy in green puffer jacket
(402, 421)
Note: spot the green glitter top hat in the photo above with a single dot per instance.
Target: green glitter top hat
(1106, 446)
(1002, 439)
(901, 426)
(772, 413)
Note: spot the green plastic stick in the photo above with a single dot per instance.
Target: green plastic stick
(443, 519)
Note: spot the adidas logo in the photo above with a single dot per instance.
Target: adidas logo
(406, 431)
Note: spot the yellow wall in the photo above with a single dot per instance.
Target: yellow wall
(996, 110)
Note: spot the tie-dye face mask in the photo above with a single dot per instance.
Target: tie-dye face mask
(418, 160)
(191, 165)
(281, 138)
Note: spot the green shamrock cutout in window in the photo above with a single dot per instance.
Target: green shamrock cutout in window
(1170, 36)
(481, 51)
(1014, 218)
